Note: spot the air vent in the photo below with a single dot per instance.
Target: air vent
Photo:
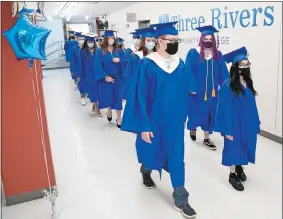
(131, 17)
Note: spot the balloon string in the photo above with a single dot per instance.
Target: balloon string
(39, 118)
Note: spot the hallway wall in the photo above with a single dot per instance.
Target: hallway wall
(255, 25)
(23, 166)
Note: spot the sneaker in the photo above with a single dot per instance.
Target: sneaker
(209, 144)
(193, 134)
(83, 101)
(235, 181)
(147, 181)
(186, 210)
(240, 173)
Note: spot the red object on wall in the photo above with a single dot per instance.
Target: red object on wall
(23, 165)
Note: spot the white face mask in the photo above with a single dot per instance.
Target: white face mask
(90, 45)
(137, 42)
(81, 42)
(111, 42)
(150, 45)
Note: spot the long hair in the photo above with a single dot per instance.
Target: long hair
(105, 45)
(214, 47)
(85, 47)
(235, 83)
(144, 49)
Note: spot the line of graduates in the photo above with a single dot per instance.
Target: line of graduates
(164, 95)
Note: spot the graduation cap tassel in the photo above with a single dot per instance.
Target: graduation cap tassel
(205, 96)
(213, 92)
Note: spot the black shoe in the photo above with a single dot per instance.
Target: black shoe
(193, 134)
(240, 173)
(119, 126)
(186, 210)
(209, 144)
(147, 181)
(109, 119)
(235, 181)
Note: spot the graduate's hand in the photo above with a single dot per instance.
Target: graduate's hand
(109, 79)
(146, 136)
(78, 79)
(229, 137)
(116, 60)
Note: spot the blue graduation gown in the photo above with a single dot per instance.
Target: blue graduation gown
(85, 70)
(66, 48)
(200, 112)
(157, 103)
(74, 68)
(127, 53)
(129, 73)
(110, 94)
(237, 116)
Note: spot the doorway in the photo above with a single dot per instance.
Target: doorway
(144, 24)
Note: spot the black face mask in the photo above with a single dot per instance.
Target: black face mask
(207, 45)
(245, 72)
(172, 48)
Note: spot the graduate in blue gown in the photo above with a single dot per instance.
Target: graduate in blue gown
(74, 66)
(85, 72)
(237, 117)
(135, 47)
(69, 44)
(147, 46)
(120, 43)
(108, 72)
(209, 70)
(156, 110)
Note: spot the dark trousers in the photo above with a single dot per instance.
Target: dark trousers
(180, 194)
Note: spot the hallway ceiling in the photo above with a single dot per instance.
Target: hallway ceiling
(82, 9)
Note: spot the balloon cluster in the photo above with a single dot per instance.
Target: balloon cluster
(27, 40)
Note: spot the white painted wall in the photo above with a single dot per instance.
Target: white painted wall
(256, 26)
(57, 34)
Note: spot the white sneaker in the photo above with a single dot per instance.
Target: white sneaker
(83, 102)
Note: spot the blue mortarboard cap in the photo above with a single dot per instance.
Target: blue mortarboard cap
(236, 55)
(108, 33)
(88, 38)
(119, 40)
(135, 34)
(71, 32)
(146, 32)
(79, 34)
(207, 30)
(165, 29)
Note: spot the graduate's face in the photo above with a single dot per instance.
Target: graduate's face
(169, 43)
(167, 39)
(244, 64)
(207, 38)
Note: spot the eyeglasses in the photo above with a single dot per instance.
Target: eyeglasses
(248, 65)
(172, 40)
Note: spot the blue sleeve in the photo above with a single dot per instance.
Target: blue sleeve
(224, 73)
(99, 72)
(66, 46)
(224, 114)
(189, 68)
(128, 75)
(122, 60)
(80, 67)
(135, 117)
(72, 59)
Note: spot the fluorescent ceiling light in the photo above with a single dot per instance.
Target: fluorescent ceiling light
(67, 7)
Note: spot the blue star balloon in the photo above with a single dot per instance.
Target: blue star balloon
(27, 40)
